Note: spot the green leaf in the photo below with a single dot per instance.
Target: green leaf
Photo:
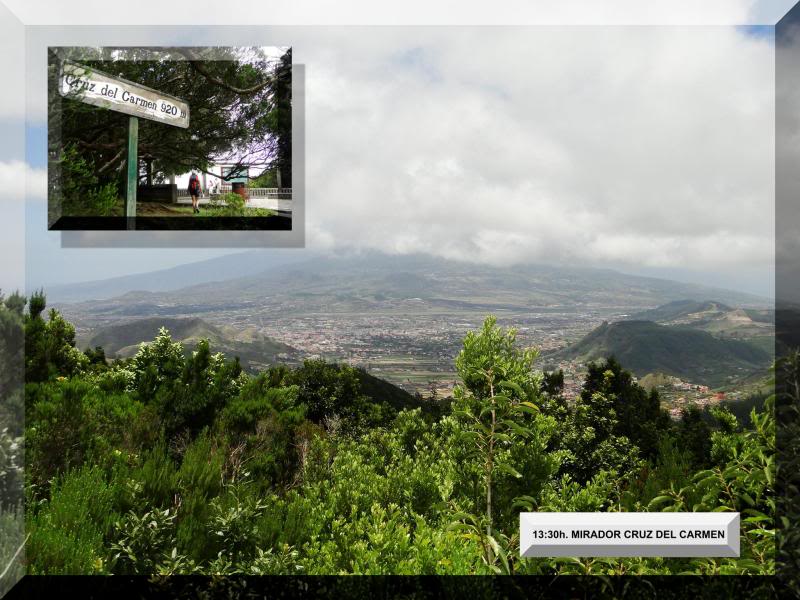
(528, 407)
(512, 385)
(659, 500)
(506, 468)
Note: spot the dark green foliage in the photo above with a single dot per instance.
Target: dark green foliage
(265, 419)
(158, 477)
(49, 344)
(71, 422)
(379, 390)
(199, 481)
(695, 436)
(329, 390)
(82, 194)
(206, 384)
(787, 408)
(180, 463)
(646, 347)
(67, 532)
(553, 383)
(96, 357)
(267, 179)
(740, 408)
(188, 392)
(638, 414)
(280, 119)
(613, 426)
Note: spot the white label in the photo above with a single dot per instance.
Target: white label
(100, 89)
(629, 534)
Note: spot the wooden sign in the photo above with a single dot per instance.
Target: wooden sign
(91, 86)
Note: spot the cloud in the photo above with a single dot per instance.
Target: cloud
(634, 147)
(19, 181)
(638, 146)
(13, 177)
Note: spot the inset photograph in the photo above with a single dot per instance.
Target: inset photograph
(170, 138)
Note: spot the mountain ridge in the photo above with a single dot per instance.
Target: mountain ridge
(646, 347)
(122, 340)
(404, 276)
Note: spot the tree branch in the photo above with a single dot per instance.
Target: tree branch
(111, 162)
(198, 66)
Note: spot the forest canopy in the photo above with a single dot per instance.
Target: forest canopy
(179, 462)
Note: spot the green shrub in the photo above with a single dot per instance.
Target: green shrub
(67, 532)
(72, 422)
(158, 478)
(82, 194)
(199, 480)
(142, 542)
(233, 522)
(233, 205)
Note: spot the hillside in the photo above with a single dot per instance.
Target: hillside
(122, 340)
(683, 311)
(367, 282)
(401, 316)
(714, 317)
(222, 268)
(383, 391)
(647, 347)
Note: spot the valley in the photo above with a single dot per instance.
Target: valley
(403, 318)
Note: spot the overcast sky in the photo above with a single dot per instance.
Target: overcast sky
(648, 149)
(640, 147)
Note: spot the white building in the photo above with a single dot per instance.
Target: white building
(211, 181)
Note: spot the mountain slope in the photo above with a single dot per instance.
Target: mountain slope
(359, 282)
(122, 340)
(381, 390)
(222, 268)
(647, 347)
(683, 310)
(714, 317)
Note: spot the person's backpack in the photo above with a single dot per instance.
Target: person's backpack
(193, 184)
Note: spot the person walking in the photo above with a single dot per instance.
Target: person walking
(194, 191)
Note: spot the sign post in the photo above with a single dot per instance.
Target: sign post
(94, 87)
(133, 171)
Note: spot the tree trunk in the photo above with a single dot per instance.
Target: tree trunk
(490, 464)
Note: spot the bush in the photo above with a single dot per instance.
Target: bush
(143, 542)
(199, 481)
(67, 532)
(71, 422)
(233, 205)
(81, 192)
(157, 478)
